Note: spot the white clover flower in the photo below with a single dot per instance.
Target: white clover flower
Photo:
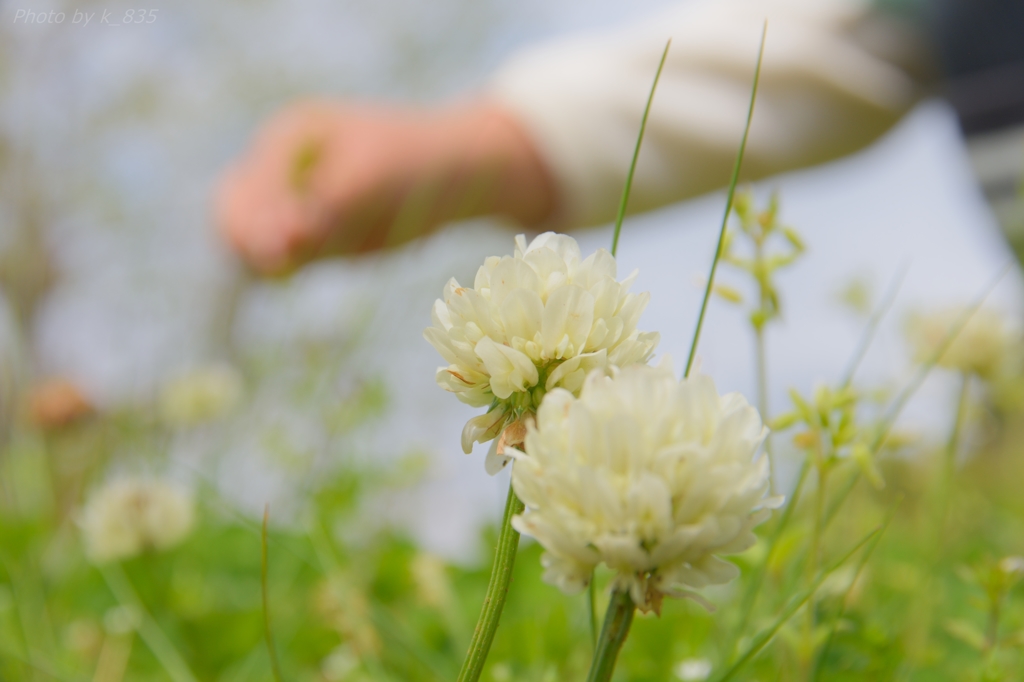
(131, 515)
(430, 577)
(538, 320)
(651, 476)
(981, 347)
(201, 395)
(693, 669)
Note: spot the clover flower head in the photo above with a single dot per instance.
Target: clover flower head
(981, 346)
(693, 669)
(132, 515)
(201, 395)
(535, 321)
(651, 476)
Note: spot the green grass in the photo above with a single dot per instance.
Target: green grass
(206, 594)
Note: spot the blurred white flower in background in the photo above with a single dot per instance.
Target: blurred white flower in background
(1012, 565)
(122, 619)
(430, 577)
(534, 321)
(693, 669)
(131, 515)
(201, 395)
(651, 476)
(981, 347)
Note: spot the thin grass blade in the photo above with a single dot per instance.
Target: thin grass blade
(872, 326)
(904, 396)
(163, 650)
(728, 206)
(624, 201)
(846, 596)
(791, 608)
(757, 578)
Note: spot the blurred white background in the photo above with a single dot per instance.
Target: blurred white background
(111, 138)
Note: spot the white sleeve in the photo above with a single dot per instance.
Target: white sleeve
(822, 95)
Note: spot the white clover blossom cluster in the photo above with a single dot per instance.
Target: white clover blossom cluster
(201, 395)
(693, 669)
(537, 320)
(982, 346)
(131, 515)
(649, 475)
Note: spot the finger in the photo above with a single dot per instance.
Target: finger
(263, 225)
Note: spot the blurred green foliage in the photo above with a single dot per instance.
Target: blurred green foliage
(935, 602)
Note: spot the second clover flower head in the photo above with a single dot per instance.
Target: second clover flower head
(540, 319)
(132, 515)
(651, 476)
(984, 339)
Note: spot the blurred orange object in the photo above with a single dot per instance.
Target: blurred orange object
(57, 403)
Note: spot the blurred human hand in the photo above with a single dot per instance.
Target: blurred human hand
(326, 178)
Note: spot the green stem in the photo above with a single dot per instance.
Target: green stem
(819, 522)
(762, 354)
(762, 399)
(497, 591)
(927, 596)
(762, 373)
(617, 620)
(592, 601)
(991, 633)
(761, 360)
(949, 463)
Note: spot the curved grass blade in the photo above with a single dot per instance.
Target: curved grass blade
(872, 327)
(893, 413)
(798, 600)
(849, 590)
(149, 630)
(728, 205)
(636, 153)
(757, 578)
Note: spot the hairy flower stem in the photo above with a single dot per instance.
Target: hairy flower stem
(497, 590)
(592, 603)
(617, 620)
